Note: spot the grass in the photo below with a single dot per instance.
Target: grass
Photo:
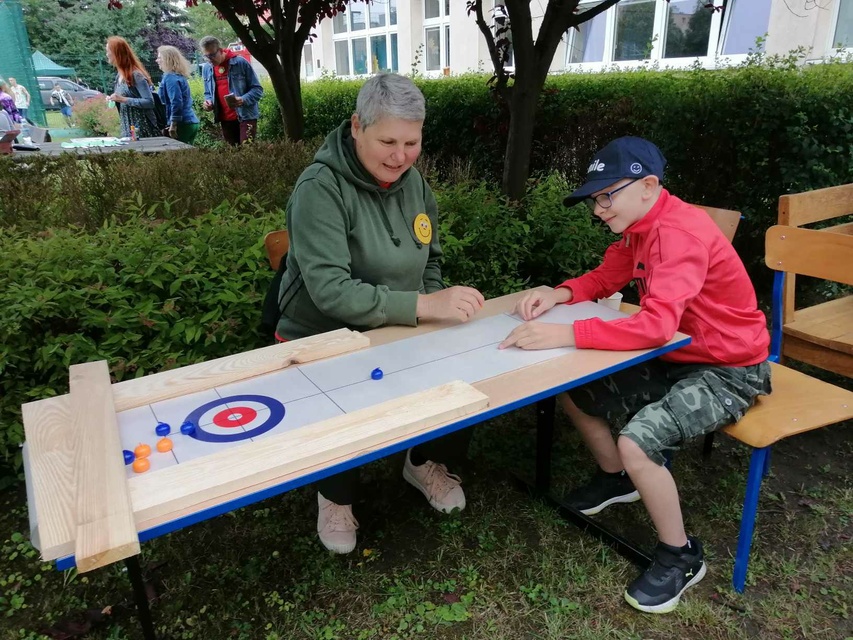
(506, 569)
(56, 125)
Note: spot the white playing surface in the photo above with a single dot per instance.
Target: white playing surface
(314, 392)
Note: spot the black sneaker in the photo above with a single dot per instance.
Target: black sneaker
(672, 572)
(603, 490)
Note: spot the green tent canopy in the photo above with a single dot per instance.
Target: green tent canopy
(44, 66)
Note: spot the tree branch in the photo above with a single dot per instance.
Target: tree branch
(501, 76)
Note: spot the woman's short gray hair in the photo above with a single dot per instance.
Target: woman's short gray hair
(389, 95)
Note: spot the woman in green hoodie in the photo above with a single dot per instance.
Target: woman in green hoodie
(364, 253)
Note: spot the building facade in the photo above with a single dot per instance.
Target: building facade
(438, 37)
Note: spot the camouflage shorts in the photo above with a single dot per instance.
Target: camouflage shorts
(667, 403)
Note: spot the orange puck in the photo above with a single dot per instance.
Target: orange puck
(141, 465)
(142, 451)
(164, 445)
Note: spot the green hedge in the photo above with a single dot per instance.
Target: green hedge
(155, 289)
(50, 191)
(735, 138)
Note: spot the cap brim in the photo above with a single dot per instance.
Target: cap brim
(587, 190)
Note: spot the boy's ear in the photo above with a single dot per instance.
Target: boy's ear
(651, 184)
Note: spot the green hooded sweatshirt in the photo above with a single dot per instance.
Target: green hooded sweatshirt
(355, 257)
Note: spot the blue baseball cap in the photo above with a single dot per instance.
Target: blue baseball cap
(627, 157)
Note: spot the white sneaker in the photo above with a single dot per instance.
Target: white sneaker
(441, 488)
(336, 525)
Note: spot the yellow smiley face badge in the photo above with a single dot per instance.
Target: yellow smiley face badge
(423, 228)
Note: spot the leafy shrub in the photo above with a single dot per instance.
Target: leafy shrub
(47, 191)
(154, 291)
(96, 118)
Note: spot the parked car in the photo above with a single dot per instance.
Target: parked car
(78, 92)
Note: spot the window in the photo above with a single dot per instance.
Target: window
(308, 61)
(688, 29)
(676, 32)
(635, 22)
(436, 34)
(844, 25)
(364, 41)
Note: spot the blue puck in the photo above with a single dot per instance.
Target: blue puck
(162, 429)
(377, 374)
(128, 456)
(187, 428)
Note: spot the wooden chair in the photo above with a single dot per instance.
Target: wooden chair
(821, 335)
(726, 219)
(277, 244)
(799, 402)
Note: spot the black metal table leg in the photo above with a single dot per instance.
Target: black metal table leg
(545, 410)
(141, 597)
(544, 443)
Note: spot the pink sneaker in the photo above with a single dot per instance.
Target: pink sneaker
(441, 488)
(336, 525)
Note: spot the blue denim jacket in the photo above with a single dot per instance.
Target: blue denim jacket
(243, 83)
(175, 96)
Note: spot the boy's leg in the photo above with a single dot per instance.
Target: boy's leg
(592, 408)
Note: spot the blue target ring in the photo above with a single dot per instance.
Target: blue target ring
(275, 417)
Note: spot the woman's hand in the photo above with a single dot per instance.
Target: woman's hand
(540, 335)
(173, 130)
(117, 98)
(455, 303)
(535, 303)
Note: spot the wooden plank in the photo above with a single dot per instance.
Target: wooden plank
(797, 209)
(829, 325)
(276, 243)
(846, 228)
(51, 446)
(349, 435)
(798, 403)
(139, 392)
(818, 356)
(809, 252)
(106, 529)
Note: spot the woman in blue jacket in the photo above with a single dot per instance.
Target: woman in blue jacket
(175, 94)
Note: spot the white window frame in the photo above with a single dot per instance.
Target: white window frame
(367, 33)
(830, 48)
(710, 60)
(309, 46)
(442, 22)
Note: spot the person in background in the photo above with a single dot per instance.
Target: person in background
(22, 97)
(65, 101)
(132, 92)
(7, 103)
(175, 94)
(231, 91)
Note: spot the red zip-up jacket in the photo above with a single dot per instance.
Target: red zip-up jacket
(690, 279)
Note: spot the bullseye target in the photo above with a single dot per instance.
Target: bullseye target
(235, 418)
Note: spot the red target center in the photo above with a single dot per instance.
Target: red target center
(234, 417)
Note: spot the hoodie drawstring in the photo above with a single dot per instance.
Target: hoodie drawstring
(387, 222)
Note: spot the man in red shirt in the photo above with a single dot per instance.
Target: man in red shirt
(231, 90)
(691, 280)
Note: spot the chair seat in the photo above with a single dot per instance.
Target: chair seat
(798, 403)
(829, 325)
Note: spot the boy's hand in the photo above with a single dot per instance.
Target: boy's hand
(535, 303)
(540, 335)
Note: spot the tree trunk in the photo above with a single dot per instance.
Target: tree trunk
(522, 119)
(288, 90)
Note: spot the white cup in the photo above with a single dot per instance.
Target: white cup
(613, 301)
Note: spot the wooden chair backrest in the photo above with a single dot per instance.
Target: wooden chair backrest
(808, 252)
(726, 219)
(277, 244)
(798, 209)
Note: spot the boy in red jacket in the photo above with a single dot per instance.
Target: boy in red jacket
(691, 280)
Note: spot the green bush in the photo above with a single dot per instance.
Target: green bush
(153, 291)
(49, 191)
(96, 118)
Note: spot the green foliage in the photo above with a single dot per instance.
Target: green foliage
(47, 191)
(153, 291)
(204, 20)
(501, 247)
(96, 118)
